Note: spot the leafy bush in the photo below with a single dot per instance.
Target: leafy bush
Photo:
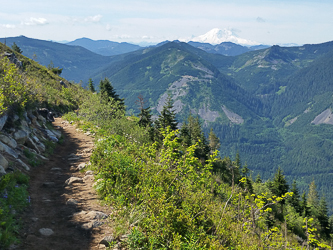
(13, 199)
(13, 91)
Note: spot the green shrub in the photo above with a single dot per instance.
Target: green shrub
(13, 199)
(13, 91)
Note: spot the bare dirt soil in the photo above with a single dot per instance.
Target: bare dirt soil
(52, 206)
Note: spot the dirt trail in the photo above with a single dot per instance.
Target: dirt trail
(51, 205)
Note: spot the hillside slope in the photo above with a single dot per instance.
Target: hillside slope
(77, 62)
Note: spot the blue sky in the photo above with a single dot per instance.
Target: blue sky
(263, 21)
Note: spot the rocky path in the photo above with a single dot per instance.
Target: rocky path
(65, 213)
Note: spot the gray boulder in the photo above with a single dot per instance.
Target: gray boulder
(20, 136)
(51, 135)
(48, 115)
(25, 115)
(57, 133)
(9, 141)
(32, 118)
(25, 166)
(8, 150)
(63, 84)
(31, 144)
(3, 162)
(41, 147)
(13, 59)
(3, 120)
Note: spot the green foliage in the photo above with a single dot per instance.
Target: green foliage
(91, 85)
(33, 160)
(108, 93)
(55, 70)
(279, 184)
(191, 134)
(13, 199)
(16, 48)
(214, 141)
(167, 118)
(13, 92)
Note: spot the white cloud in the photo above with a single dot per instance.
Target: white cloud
(35, 21)
(8, 26)
(93, 19)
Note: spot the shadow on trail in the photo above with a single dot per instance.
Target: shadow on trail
(49, 197)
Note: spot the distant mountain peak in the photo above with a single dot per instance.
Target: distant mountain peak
(217, 36)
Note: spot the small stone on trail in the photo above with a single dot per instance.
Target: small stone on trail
(73, 180)
(91, 225)
(88, 178)
(89, 172)
(34, 219)
(107, 240)
(46, 231)
(74, 158)
(97, 224)
(81, 166)
(96, 215)
(72, 202)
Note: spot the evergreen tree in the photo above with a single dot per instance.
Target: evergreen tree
(313, 199)
(295, 199)
(91, 85)
(258, 179)
(167, 118)
(107, 92)
(214, 141)
(16, 48)
(145, 114)
(323, 217)
(238, 160)
(279, 184)
(304, 205)
(191, 133)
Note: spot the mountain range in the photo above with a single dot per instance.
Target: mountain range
(273, 105)
(104, 47)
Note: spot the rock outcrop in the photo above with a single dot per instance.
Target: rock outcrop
(25, 134)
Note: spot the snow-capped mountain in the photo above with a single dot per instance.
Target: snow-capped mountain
(217, 36)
